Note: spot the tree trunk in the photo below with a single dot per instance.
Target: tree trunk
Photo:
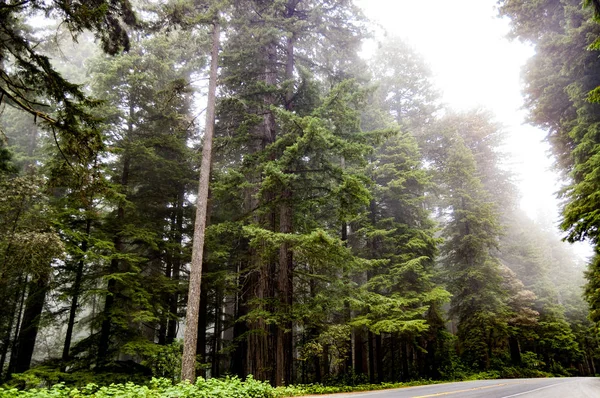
(164, 320)
(202, 324)
(105, 328)
(23, 352)
(216, 343)
(359, 346)
(515, 350)
(239, 357)
(326, 362)
(76, 293)
(371, 358)
(284, 350)
(175, 272)
(18, 301)
(405, 366)
(258, 340)
(379, 358)
(261, 340)
(188, 361)
(284, 284)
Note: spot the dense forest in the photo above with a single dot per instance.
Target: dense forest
(357, 229)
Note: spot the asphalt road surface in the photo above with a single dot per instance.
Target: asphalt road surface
(575, 387)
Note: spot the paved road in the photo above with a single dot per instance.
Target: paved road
(576, 387)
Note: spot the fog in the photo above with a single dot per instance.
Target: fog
(476, 64)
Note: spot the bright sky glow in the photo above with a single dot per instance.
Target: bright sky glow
(475, 65)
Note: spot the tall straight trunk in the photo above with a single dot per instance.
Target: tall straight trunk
(317, 365)
(371, 346)
(76, 292)
(314, 333)
(261, 352)
(393, 357)
(284, 343)
(379, 358)
(238, 365)
(348, 363)
(17, 302)
(404, 345)
(515, 350)
(175, 272)
(167, 298)
(258, 340)
(105, 328)
(326, 362)
(359, 346)
(34, 305)
(284, 283)
(164, 321)
(216, 343)
(202, 324)
(190, 340)
(109, 301)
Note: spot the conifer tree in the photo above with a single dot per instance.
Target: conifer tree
(259, 80)
(149, 95)
(473, 271)
(562, 98)
(31, 83)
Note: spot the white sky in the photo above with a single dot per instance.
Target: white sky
(475, 65)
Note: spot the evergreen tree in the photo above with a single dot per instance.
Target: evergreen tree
(32, 84)
(471, 235)
(149, 98)
(559, 81)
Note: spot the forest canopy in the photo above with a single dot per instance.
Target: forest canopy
(358, 229)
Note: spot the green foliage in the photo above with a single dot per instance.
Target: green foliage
(473, 273)
(562, 81)
(346, 213)
(165, 361)
(158, 388)
(211, 388)
(32, 84)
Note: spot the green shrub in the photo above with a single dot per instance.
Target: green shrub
(157, 388)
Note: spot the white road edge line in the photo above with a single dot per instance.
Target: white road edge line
(537, 389)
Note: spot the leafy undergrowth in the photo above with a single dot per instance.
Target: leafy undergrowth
(212, 388)
(157, 388)
(228, 388)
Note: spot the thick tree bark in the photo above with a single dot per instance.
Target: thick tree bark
(190, 341)
(284, 344)
(261, 339)
(202, 324)
(258, 340)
